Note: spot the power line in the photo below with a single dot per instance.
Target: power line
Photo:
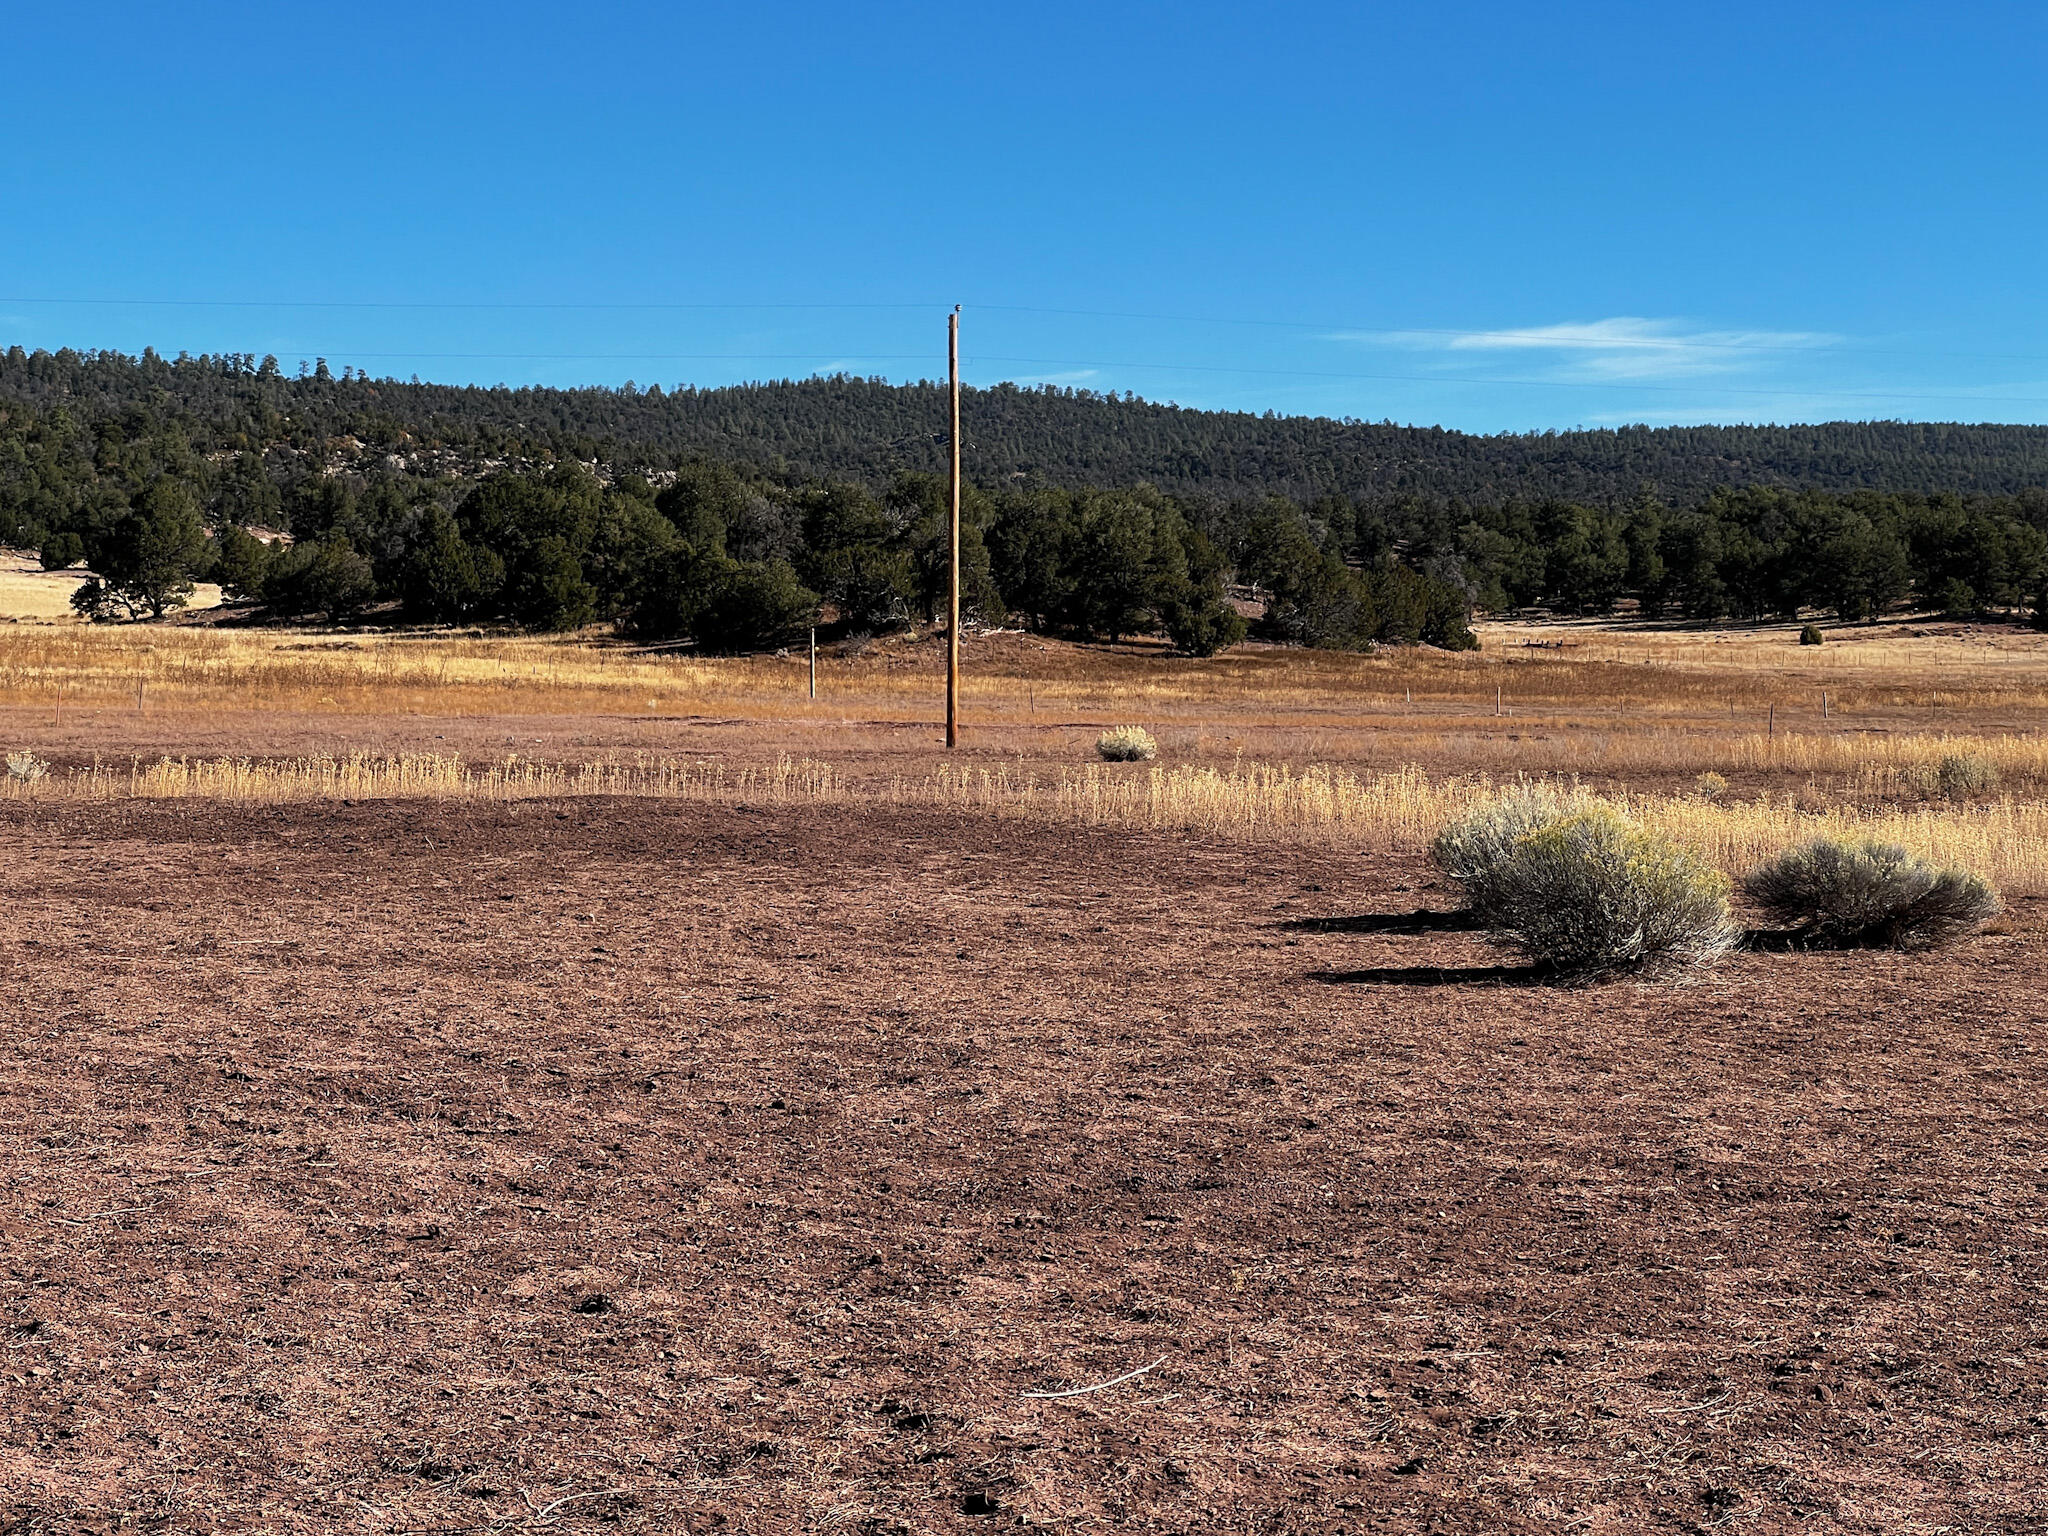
(1445, 378)
(424, 304)
(1533, 339)
(346, 353)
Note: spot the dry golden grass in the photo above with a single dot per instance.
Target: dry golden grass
(1259, 744)
(415, 776)
(2005, 839)
(1545, 679)
(29, 592)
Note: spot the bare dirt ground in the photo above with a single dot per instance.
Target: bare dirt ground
(663, 1167)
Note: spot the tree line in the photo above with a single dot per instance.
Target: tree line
(869, 430)
(735, 562)
(154, 472)
(1762, 553)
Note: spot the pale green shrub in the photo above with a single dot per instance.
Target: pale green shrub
(1591, 892)
(1871, 893)
(1127, 744)
(1472, 847)
(1956, 776)
(1962, 774)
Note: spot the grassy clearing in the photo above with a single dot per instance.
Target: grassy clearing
(1615, 705)
(2006, 839)
(1625, 681)
(29, 592)
(1259, 745)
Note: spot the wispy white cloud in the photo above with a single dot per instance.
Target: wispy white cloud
(1074, 376)
(1792, 409)
(1622, 347)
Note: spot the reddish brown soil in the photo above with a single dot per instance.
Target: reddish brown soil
(661, 1168)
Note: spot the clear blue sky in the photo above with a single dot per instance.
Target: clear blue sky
(1490, 216)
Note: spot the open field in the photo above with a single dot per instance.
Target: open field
(28, 592)
(1601, 702)
(1255, 804)
(491, 1084)
(1261, 744)
(417, 1165)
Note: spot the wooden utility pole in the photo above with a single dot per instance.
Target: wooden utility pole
(953, 538)
(814, 666)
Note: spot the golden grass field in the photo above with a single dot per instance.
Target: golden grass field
(1261, 744)
(27, 591)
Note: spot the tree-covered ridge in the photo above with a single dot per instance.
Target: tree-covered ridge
(871, 431)
(152, 471)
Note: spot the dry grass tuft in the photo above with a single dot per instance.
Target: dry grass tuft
(1127, 744)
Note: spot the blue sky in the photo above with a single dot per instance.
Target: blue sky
(1488, 216)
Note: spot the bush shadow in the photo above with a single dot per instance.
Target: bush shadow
(1783, 941)
(1421, 920)
(1440, 976)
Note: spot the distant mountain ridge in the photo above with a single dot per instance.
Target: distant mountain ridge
(870, 430)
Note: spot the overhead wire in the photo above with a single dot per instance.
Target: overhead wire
(1558, 340)
(1532, 338)
(1446, 378)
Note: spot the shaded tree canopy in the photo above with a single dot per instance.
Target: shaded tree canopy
(727, 516)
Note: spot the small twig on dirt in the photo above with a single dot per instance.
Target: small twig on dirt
(1736, 1514)
(545, 1514)
(106, 1215)
(1116, 1381)
(1692, 1407)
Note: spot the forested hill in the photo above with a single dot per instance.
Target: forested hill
(869, 430)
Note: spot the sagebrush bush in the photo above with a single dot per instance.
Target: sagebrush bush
(1955, 776)
(1871, 893)
(1472, 847)
(1127, 744)
(1811, 635)
(1960, 774)
(1593, 892)
(1710, 786)
(26, 766)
